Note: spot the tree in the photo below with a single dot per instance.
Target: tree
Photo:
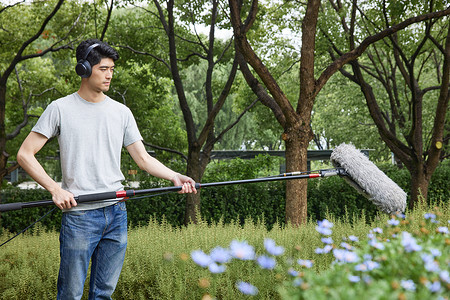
(184, 48)
(296, 122)
(412, 69)
(19, 46)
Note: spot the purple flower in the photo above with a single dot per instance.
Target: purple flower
(434, 287)
(324, 231)
(353, 238)
(220, 255)
(242, 250)
(246, 288)
(393, 222)
(266, 262)
(292, 272)
(409, 242)
(367, 266)
(216, 269)
(327, 240)
(361, 267)
(272, 248)
(371, 265)
(442, 230)
(377, 230)
(354, 278)
(345, 256)
(408, 285)
(324, 227)
(429, 216)
(325, 224)
(377, 245)
(400, 215)
(305, 263)
(201, 258)
(346, 246)
(324, 250)
(444, 275)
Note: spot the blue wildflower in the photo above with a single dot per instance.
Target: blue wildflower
(393, 222)
(216, 269)
(323, 230)
(345, 256)
(434, 287)
(346, 246)
(361, 267)
(325, 224)
(377, 245)
(401, 216)
(325, 249)
(353, 238)
(292, 272)
(327, 240)
(220, 255)
(324, 227)
(242, 250)
(247, 288)
(368, 265)
(435, 252)
(444, 275)
(354, 278)
(201, 258)
(305, 263)
(266, 262)
(371, 265)
(377, 230)
(408, 285)
(429, 216)
(442, 229)
(272, 248)
(409, 242)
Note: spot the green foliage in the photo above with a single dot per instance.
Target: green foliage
(15, 221)
(403, 259)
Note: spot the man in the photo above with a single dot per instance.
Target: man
(91, 129)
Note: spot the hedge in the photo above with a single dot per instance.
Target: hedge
(263, 202)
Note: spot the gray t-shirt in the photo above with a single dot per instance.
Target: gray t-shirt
(91, 137)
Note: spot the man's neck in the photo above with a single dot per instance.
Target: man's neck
(91, 95)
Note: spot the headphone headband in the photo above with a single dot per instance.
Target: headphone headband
(89, 49)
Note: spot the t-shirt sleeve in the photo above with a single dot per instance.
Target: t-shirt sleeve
(48, 123)
(131, 134)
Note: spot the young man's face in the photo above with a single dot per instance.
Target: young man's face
(101, 76)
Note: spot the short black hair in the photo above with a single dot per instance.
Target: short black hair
(103, 50)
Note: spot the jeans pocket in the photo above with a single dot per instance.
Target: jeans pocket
(122, 206)
(76, 212)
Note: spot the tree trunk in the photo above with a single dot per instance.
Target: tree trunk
(3, 154)
(419, 187)
(193, 201)
(296, 190)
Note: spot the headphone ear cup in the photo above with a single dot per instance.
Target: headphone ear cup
(83, 68)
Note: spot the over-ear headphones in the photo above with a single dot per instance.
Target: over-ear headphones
(83, 67)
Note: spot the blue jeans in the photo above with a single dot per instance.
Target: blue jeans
(100, 235)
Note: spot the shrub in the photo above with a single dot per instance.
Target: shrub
(394, 262)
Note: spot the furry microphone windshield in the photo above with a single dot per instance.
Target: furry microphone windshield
(367, 179)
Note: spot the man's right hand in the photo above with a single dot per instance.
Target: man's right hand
(63, 199)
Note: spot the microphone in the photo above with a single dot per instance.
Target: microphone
(368, 180)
